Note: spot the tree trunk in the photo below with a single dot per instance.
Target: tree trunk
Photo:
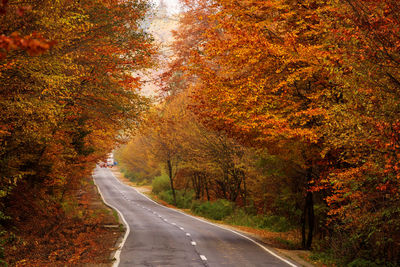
(171, 180)
(207, 190)
(307, 216)
(311, 219)
(196, 181)
(245, 190)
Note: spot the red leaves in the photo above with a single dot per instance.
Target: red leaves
(33, 44)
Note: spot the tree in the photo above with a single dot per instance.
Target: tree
(66, 93)
(258, 77)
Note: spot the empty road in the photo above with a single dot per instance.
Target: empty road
(159, 236)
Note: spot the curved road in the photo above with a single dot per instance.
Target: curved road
(159, 236)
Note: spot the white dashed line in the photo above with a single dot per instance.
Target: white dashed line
(181, 228)
(194, 243)
(173, 224)
(187, 234)
(203, 257)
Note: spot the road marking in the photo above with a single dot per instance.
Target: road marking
(194, 243)
(182, 228)
(121, 245)
(204, 221)
(165, 220)
(187, 234)
(203, 257)
(173, 224)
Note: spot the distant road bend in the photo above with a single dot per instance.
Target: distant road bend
(159, 236)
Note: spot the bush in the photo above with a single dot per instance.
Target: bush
(275, 223)
(363, 263)
(161, 183)
(131, 176)
(270, 222)
(183, 199)
(217, 210)
(166, 196)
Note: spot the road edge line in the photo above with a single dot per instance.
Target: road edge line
(219, 226)
(122, 243)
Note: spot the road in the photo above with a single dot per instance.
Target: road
(159, 236)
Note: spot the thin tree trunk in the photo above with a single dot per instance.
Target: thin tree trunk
(308, 216)
(311, 219)
(171, 180)
(245, 190)
(207, 190)
(303, 226)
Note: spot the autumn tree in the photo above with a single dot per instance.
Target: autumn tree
(364, 127)
(257, 76)
(314, 83)
(137, 161)
(66, 94)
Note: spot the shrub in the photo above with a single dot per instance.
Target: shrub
(275, 223)
(217, 210)
(183, 199)
(161, 183)
(270, 222)
(363, 263)
(166, 196)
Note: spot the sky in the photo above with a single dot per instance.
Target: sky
(173, 5)
(160, 27)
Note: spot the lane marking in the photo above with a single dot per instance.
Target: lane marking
(174, 224)
(182, 228)
(203, 257)
(121, 245)
(187, 234)
(204, 221)
(194, 243)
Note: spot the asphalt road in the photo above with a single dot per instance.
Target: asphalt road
(159, 236)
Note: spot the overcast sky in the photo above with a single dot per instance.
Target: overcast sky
(173, 5)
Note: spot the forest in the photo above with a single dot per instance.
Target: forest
(283, 114)
(276, 114)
